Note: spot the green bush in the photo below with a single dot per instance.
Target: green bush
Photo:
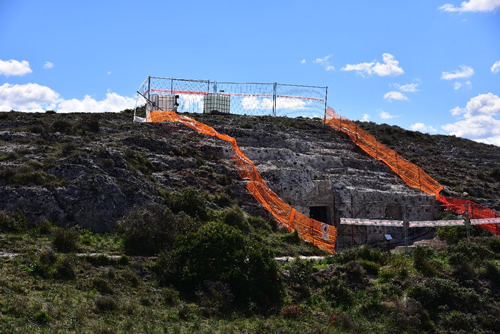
(451, 234)
(364, 252)
(235, 217)
(189, 200)
(106, 304)
(66, 240)
(291, 238)
(45, 227)
(42, 317)
(88, 124)
(493, 273)
(371, 267)
(150, 230)
(423, 262)
(435, 292)
(102, 285)
(62, 126)
(221, 253)
(65, 268)
(339, 292)
(468, 252)
(14, 223)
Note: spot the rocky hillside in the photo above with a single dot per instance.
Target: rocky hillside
(92, 169)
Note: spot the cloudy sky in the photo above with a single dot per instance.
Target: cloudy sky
(427, 65)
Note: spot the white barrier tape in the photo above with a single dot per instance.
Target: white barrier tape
(371, 222)
(485, 221)
(432, 223)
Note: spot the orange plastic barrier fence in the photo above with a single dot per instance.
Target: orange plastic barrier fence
(411, 174)
(322, 235)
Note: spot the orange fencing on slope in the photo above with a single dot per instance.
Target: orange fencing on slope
(319, 234)
(411, 174)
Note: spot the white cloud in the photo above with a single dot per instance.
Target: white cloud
(495, 140)
(48, 65)
(480, 119)
(393, 95)
(466, 85)
(14, 67)
(252, 103)
(112, 103)
(472, 6)
(496, 67)
(28, 97)
(385, 115)
(303, 61)
(390, 66)
(325, 62)
(462, 73)
(33, 97)
(109, 73)
(365, 118)
(423, 128)
(410, 88)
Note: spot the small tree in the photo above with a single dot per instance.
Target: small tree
(221, 253)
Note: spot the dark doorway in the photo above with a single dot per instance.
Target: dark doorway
(394, 211)
(319, 213)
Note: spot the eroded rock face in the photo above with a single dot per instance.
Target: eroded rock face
(79, 176)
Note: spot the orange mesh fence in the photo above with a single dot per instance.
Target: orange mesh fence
(322, 235)
(411, 174)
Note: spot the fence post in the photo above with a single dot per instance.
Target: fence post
(149, 87)
(326, 102)
(467, 221)
(406, 225)
(274, 98)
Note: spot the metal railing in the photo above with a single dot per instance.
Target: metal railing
(245, 98)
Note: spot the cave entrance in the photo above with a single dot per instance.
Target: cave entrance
(319, 213)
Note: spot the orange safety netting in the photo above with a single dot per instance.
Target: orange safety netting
(411, 174)
(319, 234)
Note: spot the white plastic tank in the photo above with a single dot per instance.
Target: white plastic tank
(216, 103)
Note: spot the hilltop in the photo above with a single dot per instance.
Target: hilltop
(159, 233)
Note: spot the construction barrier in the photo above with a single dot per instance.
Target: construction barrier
(411, 174)
(319, 234)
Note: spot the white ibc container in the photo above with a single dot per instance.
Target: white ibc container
(216, 103)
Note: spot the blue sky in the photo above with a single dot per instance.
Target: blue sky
(427, 65)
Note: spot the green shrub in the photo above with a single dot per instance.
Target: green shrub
(61, 126)
(423, 262)
(221, 253)
(106, 304)
(88, 124)
(150, 230)
(435, 292)
(42, 317)
(45, 227)
(291, 238)
(66, 240)
(65, 268)
(371, 267)
(102, 285)
(451, 234)
(339, 292)
(189, 200)
(235, 217)
(493, 273)
(138, 161)
(468, 252)
(14, 223)
(364, 252)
